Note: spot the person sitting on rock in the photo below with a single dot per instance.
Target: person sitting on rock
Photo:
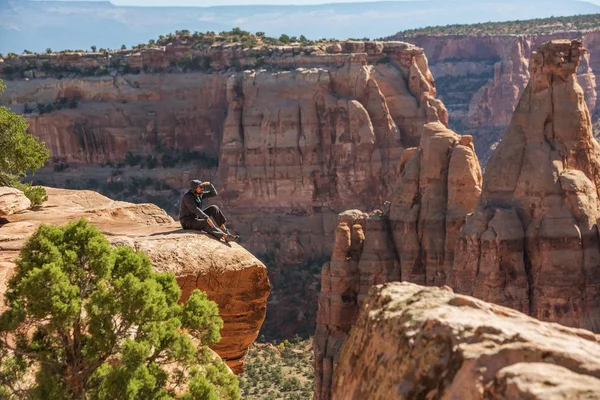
(192, 216)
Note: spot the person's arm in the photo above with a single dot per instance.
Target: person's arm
(212, 191)
(191, 205)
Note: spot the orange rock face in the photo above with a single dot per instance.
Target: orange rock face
(439, 185)
(536, 223)
(230, 275)
(415, 342)
(120, 114)
(338, 300)
(311, 141)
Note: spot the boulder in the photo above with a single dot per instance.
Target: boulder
(12, 201)
(415, 342)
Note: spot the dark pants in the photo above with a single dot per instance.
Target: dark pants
(201, 225)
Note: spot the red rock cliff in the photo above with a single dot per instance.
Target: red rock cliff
(309, 142)
(482, 78)
(530, 242)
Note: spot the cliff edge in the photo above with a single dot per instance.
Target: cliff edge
(230, 275)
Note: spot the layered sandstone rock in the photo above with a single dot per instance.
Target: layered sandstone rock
(494, 103)
(12, 201)
(230, 275)
(312, 142)
(417, 342)
(314, 131)
(141, 114)
(412, 239)
(532, 244)
(439, 185)
(338, 300)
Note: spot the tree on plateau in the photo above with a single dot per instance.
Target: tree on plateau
(86, 320)
(20, 153)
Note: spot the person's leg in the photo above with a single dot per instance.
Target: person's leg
(216, 232)
(195, 224)
(216, 214)
(201, 225)
(189, 223)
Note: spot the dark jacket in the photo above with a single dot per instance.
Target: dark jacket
(190, 206)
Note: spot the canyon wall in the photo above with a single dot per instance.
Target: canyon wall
(525, 236)
(319, 130)
(313, 131)
(314, 141)
(124, 113)
(481, 79)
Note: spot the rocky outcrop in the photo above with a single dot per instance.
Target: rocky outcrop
(12, 201)
(412, 239)
(338, 300)
(532, 244)
(416, 342)
(230, 275)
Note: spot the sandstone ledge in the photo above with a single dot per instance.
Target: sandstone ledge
(229, 274)
(423, 342)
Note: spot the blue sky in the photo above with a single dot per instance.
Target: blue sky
(206, 3)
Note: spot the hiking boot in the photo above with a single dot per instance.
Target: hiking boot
(232, 238)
